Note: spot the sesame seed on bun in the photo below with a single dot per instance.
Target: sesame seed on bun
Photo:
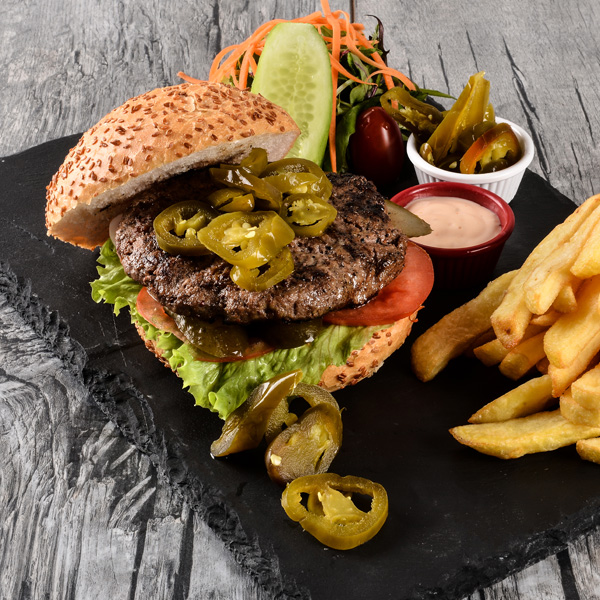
(150, 138)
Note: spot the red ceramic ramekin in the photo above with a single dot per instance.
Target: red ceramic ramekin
(456, 268)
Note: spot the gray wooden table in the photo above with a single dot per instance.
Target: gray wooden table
(82, 513)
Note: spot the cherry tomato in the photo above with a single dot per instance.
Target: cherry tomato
(399, 299)
(376, 147)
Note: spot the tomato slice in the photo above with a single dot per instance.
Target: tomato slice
(151, 310)
(401, 298)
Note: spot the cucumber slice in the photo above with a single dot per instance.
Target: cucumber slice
(294, 72)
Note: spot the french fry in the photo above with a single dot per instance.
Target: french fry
(566, 301)
(511, 318)
(554, 272)
(491, 353)
(510, 324)
(545, 320)
(481, 340)
(521, 359)
(455, 332)
(528, 398)
(563, 378)
(566, 339)
(571, 410)
(540, 432)
(588, 262)
(586, 389)
(545, 315)
(589, 449)
(542, 365)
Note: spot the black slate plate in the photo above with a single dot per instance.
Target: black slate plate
(458, 520)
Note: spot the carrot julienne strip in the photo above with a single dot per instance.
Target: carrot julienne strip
(235, 63)
(217, 60)
(335, 55)
(188, 78)
(341, 69)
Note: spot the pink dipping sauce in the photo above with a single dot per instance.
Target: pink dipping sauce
(455, 222)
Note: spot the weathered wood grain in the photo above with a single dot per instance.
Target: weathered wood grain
(541, 59)
(83, 514)
(541, 580)
(67, 63)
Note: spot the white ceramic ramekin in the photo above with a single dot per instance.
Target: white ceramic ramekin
(504, 183)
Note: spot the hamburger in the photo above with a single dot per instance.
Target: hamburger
(348, 303)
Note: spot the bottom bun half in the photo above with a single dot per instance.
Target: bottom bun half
(360, 364)
(368, 360)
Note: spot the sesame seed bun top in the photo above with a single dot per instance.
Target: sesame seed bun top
(150, 138)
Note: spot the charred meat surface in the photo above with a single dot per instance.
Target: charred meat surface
(358, 255)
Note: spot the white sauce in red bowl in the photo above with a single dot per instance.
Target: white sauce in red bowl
(455, 222)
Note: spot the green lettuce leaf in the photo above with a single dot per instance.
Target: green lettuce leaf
(222, 387)
(113, 286)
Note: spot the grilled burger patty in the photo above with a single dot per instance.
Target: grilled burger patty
(358, 255)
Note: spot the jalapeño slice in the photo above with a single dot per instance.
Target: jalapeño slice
(247, 240)
(293, 333)
(177, 228)
(260, 279)
(330, 515)
(497, 148)
(306, 447)
(213, 338)
(246, 426)
(256, 161)
(231, 200)
(268, 196)
(284, 169)
(307, 214)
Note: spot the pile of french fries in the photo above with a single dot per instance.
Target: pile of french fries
(540, 323)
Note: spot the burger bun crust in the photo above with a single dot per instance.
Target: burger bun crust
(166, 132)
(365, 362)
(153, 137)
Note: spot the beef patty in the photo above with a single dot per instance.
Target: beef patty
(358, 255)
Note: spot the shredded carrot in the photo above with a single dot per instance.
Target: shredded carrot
(335, 55)
(237, 62)
(341, 69)
(187, 78)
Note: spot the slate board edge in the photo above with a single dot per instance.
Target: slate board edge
(119, 400)
(478, 576)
